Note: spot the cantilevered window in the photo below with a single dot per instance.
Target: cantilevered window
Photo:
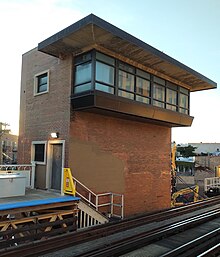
(97, 71)
(104, 73)
(143, 88)
(83, 73)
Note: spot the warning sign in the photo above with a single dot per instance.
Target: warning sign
(68, 184)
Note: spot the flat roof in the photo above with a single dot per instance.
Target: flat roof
(94, 31)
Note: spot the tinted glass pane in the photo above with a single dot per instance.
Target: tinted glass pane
(126, 94)
(171, 96)
(42, 83)
(143, 74)
(126, 67)
(82, 88)
(142, 86)
(42, 88)
(105, 58)
(171, 107)
(42, 79)
(126, 81)
(104, 88)
(104, 73)
(83, 58)
(183, 101)
(159, 92)
(39, 152)
(158, 104)
(171, 85)
(184, 90)
(83, 73)
(142, 99)
(159, 80)
(183, 111)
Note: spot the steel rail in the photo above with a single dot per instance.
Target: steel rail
(196, 246)
(132, 243)
(213, 251)
(60, 242)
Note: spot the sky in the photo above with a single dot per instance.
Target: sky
(187, 30)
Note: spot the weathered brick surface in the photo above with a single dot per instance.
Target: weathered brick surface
(144, 150)
(50, 112)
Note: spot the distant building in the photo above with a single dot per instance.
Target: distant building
(206, 148)
(8, 145)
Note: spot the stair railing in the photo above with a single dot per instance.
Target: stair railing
(110, 203)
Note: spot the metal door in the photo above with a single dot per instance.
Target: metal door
(56, 166)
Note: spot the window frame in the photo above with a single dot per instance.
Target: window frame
(132, 92)
(36, 82)
(33, 151)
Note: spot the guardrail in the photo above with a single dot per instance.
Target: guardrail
(213, 182)
(28, 170)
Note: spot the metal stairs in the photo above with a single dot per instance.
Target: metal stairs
(95, 209)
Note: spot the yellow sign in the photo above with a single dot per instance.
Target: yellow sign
(68, 184)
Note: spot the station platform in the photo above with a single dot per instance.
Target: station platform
(31, 194)
(36, 215)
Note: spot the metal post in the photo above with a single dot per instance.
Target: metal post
(122, 206)
(89, 198)
(96, 202)
(33, 175)
(112, 202)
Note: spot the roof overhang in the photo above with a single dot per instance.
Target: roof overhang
(92, 31)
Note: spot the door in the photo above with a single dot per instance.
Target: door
(56, 167)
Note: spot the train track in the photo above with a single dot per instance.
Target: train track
(56, 243)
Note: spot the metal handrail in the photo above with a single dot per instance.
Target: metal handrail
(95, 196)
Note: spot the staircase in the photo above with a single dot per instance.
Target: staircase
(97, 209)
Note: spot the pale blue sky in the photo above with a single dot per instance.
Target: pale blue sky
(187, 30)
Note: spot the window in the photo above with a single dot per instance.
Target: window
(39, 152)
(171, 99)
(159, 81)
(104, 88)
(104, 58)
(126, 94)
(41, 83)
(126, 81)
(142, 99)
(158, 95)
(97, 71)
(183, 103)
(142, 87)
(83, 73)
(104, 73)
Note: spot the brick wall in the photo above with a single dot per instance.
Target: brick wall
(137, 159)
(50, 112)
(208, 161)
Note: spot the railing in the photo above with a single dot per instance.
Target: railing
(27, 170)
(110, 203)
(213, 182)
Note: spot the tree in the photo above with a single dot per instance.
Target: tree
(186, 151)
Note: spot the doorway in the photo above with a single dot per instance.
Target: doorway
(55, 165)
(56, 171)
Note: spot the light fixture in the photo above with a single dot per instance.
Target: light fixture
(54, 134)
